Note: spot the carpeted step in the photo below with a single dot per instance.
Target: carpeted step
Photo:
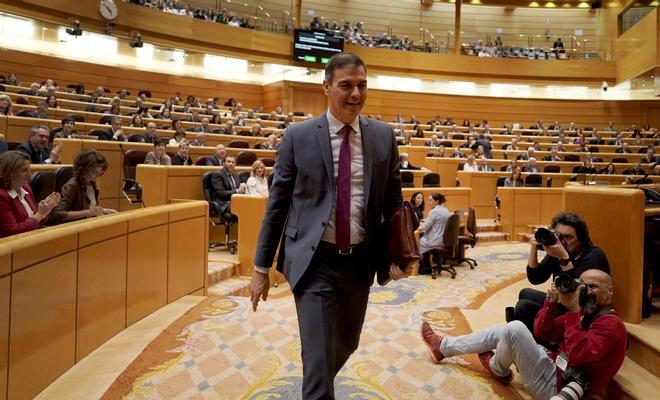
(220, 270)
(234, 286)
(525, 237)
(483, 237)
(488, 225)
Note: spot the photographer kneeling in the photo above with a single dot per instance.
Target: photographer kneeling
(590, 336)
(568, 250)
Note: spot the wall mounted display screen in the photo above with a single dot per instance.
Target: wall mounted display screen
(316, 47)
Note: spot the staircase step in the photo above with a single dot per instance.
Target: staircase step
(644, 340)
(234, 286)
(483, 237)
(219, 271)
(488, 225)
(633, 382)
(525, 237)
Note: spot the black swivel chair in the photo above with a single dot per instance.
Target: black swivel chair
(215, 217)
(431, 180)
(407, 179)
(132, 190)
(533, 180)
(62, 176)
(468, 240)
(243, 176)
(42, 184)
(500, 181)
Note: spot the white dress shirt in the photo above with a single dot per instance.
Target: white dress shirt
(358, 231)
(21, 196)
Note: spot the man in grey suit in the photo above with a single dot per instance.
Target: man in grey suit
(335, 184)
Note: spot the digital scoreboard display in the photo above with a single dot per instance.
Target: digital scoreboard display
(316, 47)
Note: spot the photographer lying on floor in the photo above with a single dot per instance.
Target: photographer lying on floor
(590, 336)
(568, 250)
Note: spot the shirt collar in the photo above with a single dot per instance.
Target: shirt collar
(13, 194)
(336, 125)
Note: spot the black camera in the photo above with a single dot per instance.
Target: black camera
(546, 236)
(565, 283)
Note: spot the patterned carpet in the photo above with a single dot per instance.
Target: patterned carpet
(220, 349)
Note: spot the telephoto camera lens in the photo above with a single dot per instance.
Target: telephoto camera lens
(565, 283)
(545, 236)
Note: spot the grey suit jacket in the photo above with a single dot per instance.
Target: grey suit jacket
(302, 195)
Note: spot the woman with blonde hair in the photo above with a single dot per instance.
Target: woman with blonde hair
(5, 105)
(19, 212)
(471, 164)
(257, 183)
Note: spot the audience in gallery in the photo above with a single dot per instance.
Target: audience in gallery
(432, 230)
(213, 15)
(19, 211)
(257, 182)
(182, 157)
(417, 205)
(38, 149)
(158, 156)
(586, 168)
(79, 195)
(515, 179)
(405, 164)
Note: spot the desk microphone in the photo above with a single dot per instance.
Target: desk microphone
(641, 180)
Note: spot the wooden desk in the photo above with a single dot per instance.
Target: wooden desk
(67, 289)
(521, 207)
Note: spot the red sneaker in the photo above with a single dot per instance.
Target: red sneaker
(432, 341)
(485, 361)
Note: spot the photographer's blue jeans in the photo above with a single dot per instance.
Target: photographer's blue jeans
(513, 344)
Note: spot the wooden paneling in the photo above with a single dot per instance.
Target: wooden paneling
(187, 241)
(521, 207)
(42, 339)
(101, 293)
(272, 95)
(636, 50)
(615, 218)
(146, 282)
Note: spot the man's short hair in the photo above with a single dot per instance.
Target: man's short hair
(160, 141)
(68, 119)
(42, 104)
(36, 128)
(115, 119)
(228, 157)
(342, 60)
(576, 222)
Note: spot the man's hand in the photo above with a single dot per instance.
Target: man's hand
(259, 288)
(571, 300)
(557, 250)
(55, 153)
(397, 273)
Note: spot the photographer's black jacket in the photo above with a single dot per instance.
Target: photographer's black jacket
(592, 257)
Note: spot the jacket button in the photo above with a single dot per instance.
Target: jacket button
(313, 248)
(323, 224)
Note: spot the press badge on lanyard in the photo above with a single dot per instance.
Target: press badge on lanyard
(562, 361)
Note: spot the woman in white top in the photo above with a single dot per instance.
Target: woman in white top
(256, 183)
(432, 230)
(471, 164)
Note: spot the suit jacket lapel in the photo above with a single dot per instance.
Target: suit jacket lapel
(367, 155)
(326, 148)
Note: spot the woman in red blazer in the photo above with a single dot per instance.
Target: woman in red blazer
(18, 211)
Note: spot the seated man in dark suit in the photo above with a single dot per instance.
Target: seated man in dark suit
(623, 149)
(150, 133)
(115, 133)
(586, 168)
(68, 131)
(635, 170)
(225, 183)
(531, 166)
(37, 147)
(218, 158)
(650, 157)
(404, 163)
(434, 142)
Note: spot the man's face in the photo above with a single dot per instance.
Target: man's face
(205, 122)
(40, 139)
(68, 126)
(229, 164)
(597, 286)
(116, 124)
(151, 129)
(570, 238)
(347, 93)
(220, 152)
(160, 149)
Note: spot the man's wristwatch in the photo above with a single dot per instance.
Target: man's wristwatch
(564, 262)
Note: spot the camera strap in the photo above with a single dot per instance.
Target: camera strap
(587, 320)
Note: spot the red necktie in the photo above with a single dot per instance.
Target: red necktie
(343, 208)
